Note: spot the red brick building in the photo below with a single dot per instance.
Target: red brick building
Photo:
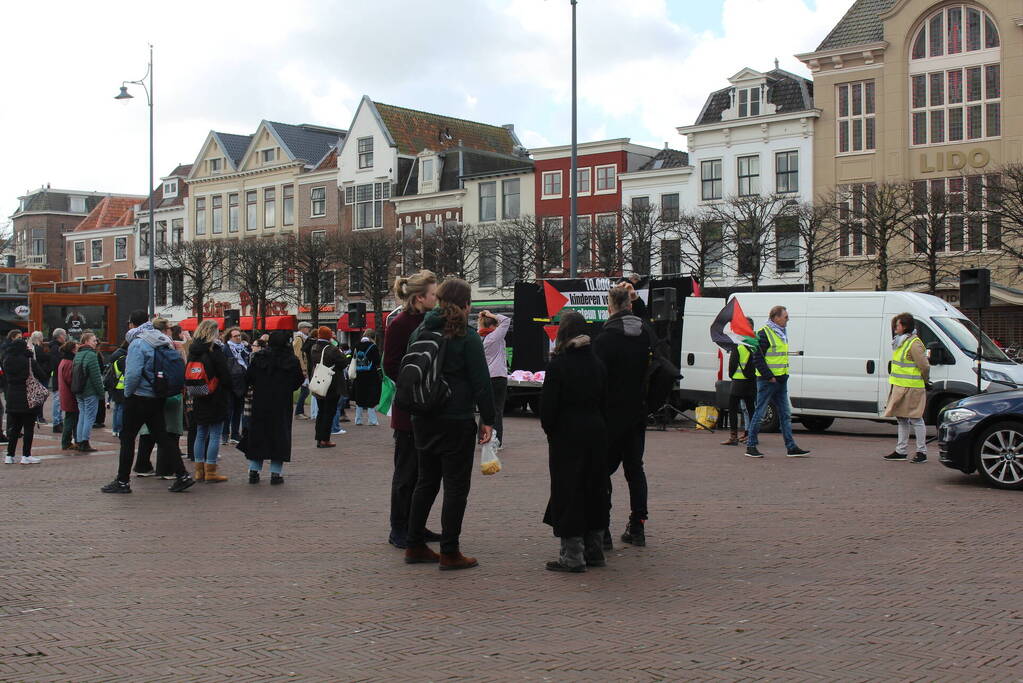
(103, 244)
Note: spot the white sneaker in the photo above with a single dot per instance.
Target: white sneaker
(340, 431)
(29, 460)
(8, 460)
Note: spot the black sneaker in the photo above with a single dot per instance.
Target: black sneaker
(431, 536)
(894, 457)
(181, 483)
(397, 539)
(634, 534)
(797, 452)
(919, 457)
(608, 545)
(117, 487)
(276, 479)
(752, 452)
(253, 477)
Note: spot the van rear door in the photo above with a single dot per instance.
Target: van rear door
(841, 367)
(700, 362)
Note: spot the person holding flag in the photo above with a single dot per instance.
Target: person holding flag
(733, 332)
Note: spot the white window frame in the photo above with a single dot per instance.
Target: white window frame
(200, 213)
(121, 276)
(92, 250)
(263, 153)
(74, 250)
(215, 164)
(272, 201)
(505, 214)
(313, 201)
(170, 188)
(543, 185)
(851, 119)
(614, 179)
(251, 210)
(365, 155)
(492, 185)
(73, 200)
(97, 277)
(80, 278)
(720, 179)
(778, 155)
(751, 178)
(427, 181)
(750, 102)
(964, 63)
(287, 205)
(379, 193)
(588, 173)
(123, 241)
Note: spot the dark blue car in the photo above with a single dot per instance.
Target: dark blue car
(984, 433)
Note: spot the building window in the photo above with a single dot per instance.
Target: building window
(365, 152)
(749, 176)
(200, 216)
(232, 212)
(853, 237)
(268, 156)
(786, 172)
(178, 230)
(170, 189)
(856, 126)
(79, 252)
(606, 179)
(944, 33)
(669, 207)
(553, 241)
(355, 278)
(215, 165)
(488, 263)
(510, 198)
(952, 105)
(584, 243)
(671, 257)
(552, 184)
(714, 243)
(288, 195)
(488, 201)
(749, 102)
(251, 212)
(952, 215)
(161, 288)
(786, 237)
(269, 207)
(39, 242)
(583, 178)
(710, 177)
(426, 173)
(77, 204)
(218, 214)
(177, 281)
(144, 239)
(161, 237)
(640, 205)
(369, 204)
(318, 201)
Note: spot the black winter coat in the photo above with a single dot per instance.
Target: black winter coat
(366, 391)
(573, 414)
(273, 376)
(209, 410)
(53, 347)
(17, 363)
(624, 346)
(333, 358)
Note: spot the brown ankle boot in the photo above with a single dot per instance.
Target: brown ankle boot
(419, 554)
(456, 560)
(732, 440)
(200, 471)
(211, 474)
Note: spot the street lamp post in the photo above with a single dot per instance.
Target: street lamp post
(124, 96)
(573, 225)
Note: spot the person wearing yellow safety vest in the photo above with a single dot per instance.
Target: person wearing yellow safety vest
(114, 382)
(742, 394)
(772, 370)
(907, 399)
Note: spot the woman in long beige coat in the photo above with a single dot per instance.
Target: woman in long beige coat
(908, 397)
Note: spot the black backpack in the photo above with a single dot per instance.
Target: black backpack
(168, 371)
(78, 378)
(421, 388)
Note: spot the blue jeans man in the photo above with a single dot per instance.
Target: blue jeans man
(87, 407)
(777, 394)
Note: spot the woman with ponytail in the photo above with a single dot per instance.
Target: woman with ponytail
(418, 294)
(446, 441)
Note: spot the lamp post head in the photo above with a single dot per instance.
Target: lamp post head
(124, 95)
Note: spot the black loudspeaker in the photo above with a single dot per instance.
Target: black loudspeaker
(663, 304)
(357, 315)
(975, 288)
(232, 317)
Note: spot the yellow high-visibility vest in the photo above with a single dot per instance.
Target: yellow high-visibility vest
(744, 353)
(777, 354)
(904, 372)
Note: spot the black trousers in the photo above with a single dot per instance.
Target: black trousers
(500, 387)
(403, 482)
(445, 454)
(16, 423)
(626, 449)
(138, 411)
(735, 410)
(164, 455)
(326, 408)
(190, 438)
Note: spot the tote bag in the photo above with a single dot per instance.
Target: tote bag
(35, 393)
(319, 385)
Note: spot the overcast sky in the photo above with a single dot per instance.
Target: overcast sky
(645, 67)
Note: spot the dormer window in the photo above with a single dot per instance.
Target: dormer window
(77, 204)
(216, 165)
(268, 156)
(749, 102)
(170, 189)
(427, 176)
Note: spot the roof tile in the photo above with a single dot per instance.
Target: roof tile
(413, 131)
(110, 212)
(860, 25)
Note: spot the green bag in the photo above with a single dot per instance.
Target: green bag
(386, 396)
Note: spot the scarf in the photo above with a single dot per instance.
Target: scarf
(136, 331)
(779, 330)
(898, 340)
(484, 331)
(240, 353)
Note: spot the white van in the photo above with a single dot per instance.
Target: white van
(843, 342)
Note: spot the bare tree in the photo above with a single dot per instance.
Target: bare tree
(528, 246)
(608, 256)
(642, 228)
(817, 233)
(701, 244)
(263, 270)
(749, 238)
(313, 257)
(371, 258)
(875, 222)
(453, 249)
(200, 264)
(1003, 212)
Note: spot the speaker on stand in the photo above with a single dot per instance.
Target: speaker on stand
(975, 292)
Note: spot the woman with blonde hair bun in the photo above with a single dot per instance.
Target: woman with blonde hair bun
(418, 293)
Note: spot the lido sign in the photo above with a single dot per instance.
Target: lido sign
(933, 162)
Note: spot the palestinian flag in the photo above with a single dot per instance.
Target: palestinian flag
(730, 327)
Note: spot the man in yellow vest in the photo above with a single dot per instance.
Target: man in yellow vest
(772, 369)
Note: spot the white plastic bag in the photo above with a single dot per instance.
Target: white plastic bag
(489, 462)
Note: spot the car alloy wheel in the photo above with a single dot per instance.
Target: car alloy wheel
(1000, 456)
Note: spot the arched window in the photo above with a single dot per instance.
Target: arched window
(955, 77)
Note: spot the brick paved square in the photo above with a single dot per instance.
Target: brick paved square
(835, 567)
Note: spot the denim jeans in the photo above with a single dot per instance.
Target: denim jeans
(276, 466)
(87, 407)
(303, 394)
(118, 417)
(336, 427)
(55, 413)
(371, 415)
(314, 408)
(777, 394)
(207, 442)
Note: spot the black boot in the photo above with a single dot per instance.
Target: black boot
(253, 476)
(608, 545)
(571, 558)
(594, 548)
(635, 534)
(276, 479)
(85, 447)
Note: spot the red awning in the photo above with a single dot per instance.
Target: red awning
(272, 322)
(342, 323)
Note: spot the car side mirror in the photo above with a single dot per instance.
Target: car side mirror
(939, 355)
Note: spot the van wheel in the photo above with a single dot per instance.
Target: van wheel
(534, 404)
(817, 424)
(999, 455)
(769, 423)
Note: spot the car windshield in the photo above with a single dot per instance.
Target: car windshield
(964, 333)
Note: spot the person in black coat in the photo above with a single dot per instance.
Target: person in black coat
(573, 414)
(367, 379)
(209, 413)
(274, 375)
(18, 364)
(323, 349)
